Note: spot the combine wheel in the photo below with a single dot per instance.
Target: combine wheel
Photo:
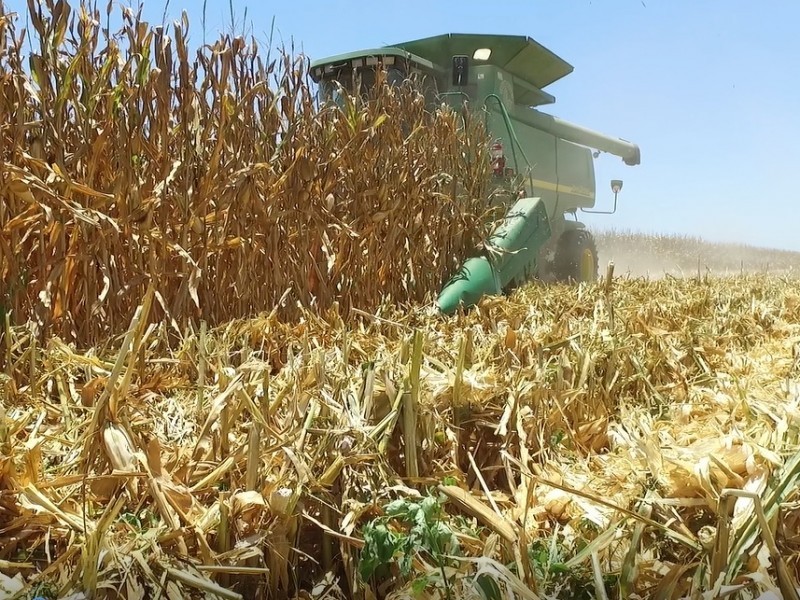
(576, 257)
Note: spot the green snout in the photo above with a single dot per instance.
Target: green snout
(474, 280)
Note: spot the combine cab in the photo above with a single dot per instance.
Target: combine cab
(548, 161)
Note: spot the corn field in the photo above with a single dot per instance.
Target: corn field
(206, 393)
(656, 254)
(127, 158)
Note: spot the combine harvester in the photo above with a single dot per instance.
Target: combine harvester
(542, 166)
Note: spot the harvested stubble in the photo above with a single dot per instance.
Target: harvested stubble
(124, 161)
(585, 439)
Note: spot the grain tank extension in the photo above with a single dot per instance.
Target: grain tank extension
(542, 166)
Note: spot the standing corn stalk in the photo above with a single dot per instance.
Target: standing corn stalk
(127, 159)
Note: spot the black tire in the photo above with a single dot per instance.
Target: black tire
(572, 255)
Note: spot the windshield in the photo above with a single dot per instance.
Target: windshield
(350, 80)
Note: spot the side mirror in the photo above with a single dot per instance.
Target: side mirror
(460, 71)
(616, 186)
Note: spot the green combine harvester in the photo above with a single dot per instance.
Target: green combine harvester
(544, 164)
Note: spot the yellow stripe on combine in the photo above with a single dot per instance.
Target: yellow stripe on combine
(563, 189)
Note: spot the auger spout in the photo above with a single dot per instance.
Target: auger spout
(628, 151)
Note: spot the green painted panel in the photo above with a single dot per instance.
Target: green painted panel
(518, 55)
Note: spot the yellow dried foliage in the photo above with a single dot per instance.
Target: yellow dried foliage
(128, 160)
(630, 439)
(543, 421)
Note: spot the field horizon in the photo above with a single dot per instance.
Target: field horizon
(651, 254)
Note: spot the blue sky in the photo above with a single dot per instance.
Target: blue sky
(709, 89)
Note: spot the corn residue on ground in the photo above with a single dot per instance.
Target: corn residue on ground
(629, 439)
(598, 441)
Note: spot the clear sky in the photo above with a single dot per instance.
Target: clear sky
(709, 89)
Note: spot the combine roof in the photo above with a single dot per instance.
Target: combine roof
(518, 55)
(534, 66)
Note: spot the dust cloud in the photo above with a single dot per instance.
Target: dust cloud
(655, 255)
